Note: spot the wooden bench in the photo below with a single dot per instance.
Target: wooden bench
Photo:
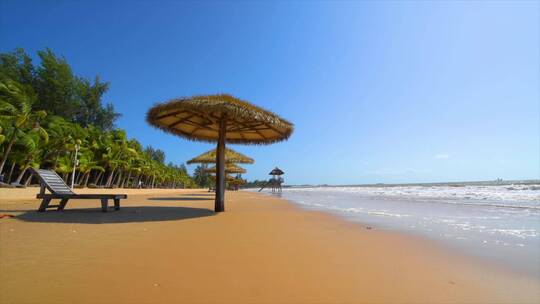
(58, 189)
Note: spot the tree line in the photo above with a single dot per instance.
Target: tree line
(255, 184)
(48, 115)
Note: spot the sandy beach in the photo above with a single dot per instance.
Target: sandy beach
(168, 246)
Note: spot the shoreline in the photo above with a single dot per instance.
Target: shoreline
(495, 232)
(424, 238)
(270, 250)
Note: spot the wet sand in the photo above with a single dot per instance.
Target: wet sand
(168, 246)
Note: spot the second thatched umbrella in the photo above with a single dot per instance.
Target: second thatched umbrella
(229, 168)
(231, 156)
(221, 119)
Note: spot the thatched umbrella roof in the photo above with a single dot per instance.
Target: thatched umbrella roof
(237, 181)
(219, 118)
(198, 118)
(229, 168)
(276, 171)
(231, 180)
(228, 178)
(231, 156)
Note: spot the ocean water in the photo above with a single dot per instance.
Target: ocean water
(498, 222)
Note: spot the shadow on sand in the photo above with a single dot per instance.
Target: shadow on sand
(179, 198)
(124, 215)
(209, 194)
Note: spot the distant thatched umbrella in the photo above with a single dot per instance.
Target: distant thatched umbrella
(221, 118)
(237, 182)
(276, 171)
(229, 168)
(228, 178)
(231, 180)
(231, 156)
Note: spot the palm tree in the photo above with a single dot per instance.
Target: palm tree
(16, 112)
(30, 144)
(31, 138)
(2, 136)
(86, 165)
(116, 153)
(64, 166)
(201, 177)
(63, 136)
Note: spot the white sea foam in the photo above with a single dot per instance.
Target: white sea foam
(517, 196)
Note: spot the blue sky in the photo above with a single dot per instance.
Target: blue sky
(378, 91)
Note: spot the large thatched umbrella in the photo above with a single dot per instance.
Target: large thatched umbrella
(231, 156)
(221, 118)
(229, 168)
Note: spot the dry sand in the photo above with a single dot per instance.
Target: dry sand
(167, 246)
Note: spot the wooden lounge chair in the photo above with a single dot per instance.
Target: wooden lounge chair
(59, 190)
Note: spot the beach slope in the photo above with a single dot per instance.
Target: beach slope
(170, 247)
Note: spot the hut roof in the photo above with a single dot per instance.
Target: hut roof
(199, 117)
(276, 171)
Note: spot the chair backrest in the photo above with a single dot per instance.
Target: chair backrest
(52, 181)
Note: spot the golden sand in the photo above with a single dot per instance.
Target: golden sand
(167, 246)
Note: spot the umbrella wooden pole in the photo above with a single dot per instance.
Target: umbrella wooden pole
(220, 167)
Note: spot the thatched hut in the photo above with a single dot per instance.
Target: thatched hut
(275, 182)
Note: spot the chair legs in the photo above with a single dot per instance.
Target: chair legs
(44, 204)
(104, 204)
(63, 203)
